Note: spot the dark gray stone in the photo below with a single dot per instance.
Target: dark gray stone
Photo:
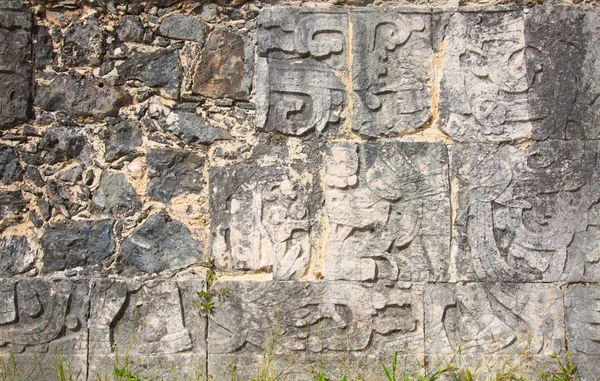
(159, 69)
(11, 169)
(191, 128)
(83, 43)
(12, 204)
(15, 66)
(80, 95)
(131, 29)
(582, 319)
(226, 66)
(183, 27)
(71, 174)
(43, 46)
(68, 244)
(61, 144)
(115, 196)
(122, 139)
(33, 174)
(172, 173)
(160, 244)
(16, 255)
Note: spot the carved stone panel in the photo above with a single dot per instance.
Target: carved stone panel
(42, 321)
(582, 306)
(388, 210)
(299, 75)
(260, 220)
(527, 213)
(302, 324)
(493, 322)
(391, 71)
(153, 325)
(15, 66)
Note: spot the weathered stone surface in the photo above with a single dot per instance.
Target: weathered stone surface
(172, 173)
(115, 196)
(43, 46)
(506, 76)
(161, 243)
(493, 322)
(191, 128)
(183, 27)
(152, 325)
(392, 72)
(388, 207)
(582, 306)
(16, 255)
(305, 324)
(83, 42)
(122, 138)
(68, 244)
(11, 205)
(131, 29)
(159, 68)
(293, 95)
(62, 144)
(11, 169)
(15, 66)
(80, 95)
(259, 220)
(226, 66)
(527, 214)
(40, 319)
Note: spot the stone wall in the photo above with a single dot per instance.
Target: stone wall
(357, 178)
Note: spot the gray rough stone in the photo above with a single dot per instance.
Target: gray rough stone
(16, 255)
(43, 46)
(191, 128)
(392, 72)
(122, 139)
(131, 29)
(388, 207)
(226, 66)
(83, 43)
(494, 323)
(259, 221)
(11, 205)
(161, 243)
(152, 325)
(183, 27)
(15, 66)
(172, 173)
(582, 318)
(312, 324)
(80, 96)
(41, 318)
(159, 69)
(115, 196)
(61, 144)
(71, 174)
(68, 244)
(11, 169)
(527, 214)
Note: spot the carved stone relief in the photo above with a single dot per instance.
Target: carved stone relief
(527, 214)
(388, 208)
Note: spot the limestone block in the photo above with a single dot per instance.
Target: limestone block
(299, 75)
(115, 196)
(11, 169)
(152, 325)
(226, 66)
(526, 213)
(388, 209)
(391, 71)
(172, 173)
(582, 306)
(260, 220)
(304, 324)
(16, 255)
(41, 320)
(494, 322)
(15, 66)
(159, 69)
